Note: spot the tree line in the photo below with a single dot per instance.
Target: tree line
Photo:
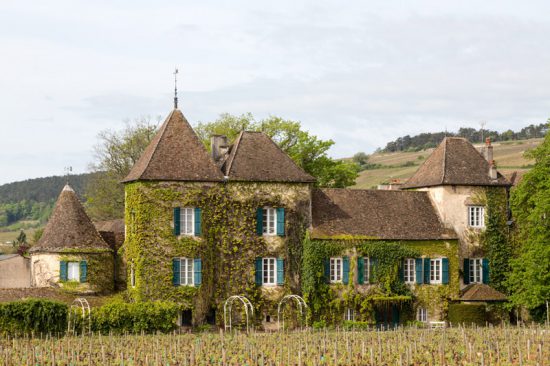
(432, 139)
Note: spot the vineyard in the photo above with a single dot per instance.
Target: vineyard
(409, 346)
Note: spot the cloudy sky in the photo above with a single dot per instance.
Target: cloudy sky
(359, 72)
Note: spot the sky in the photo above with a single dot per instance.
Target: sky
(361, 73)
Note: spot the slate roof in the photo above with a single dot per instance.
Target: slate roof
(175, 154)
(454, 162)
(481, 292)
(254, 157)
(69, 227)
(376, 214)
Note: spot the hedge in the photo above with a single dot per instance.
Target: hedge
(467, 314)
(33, 316)
(148, 317)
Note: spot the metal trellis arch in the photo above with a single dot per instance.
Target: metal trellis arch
(301, 306)
(80, 305)
(228, 305)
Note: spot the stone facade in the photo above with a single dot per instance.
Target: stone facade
(14, 271)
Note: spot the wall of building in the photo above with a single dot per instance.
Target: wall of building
(228, 245)
(45, 269)
(15, 272)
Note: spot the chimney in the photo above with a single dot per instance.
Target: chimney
(488, 151)
(492, 170)
(219, 147)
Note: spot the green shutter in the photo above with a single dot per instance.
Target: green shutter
(418, 268)
(176, 221)
(427, 270)
(259, 221)
(360, 270)
(197, 271)
(83, 271)
(445, 271)
(485, 269)
(372, 269)
(280, 271)
(258, 272)
(401, 270)
(466, 271)
(176, 271)
(326, 268)
(198, 223)
(345, 272)
(281, 221)
(63, 271)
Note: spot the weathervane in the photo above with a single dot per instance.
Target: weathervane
(68, 170)
(176, 88)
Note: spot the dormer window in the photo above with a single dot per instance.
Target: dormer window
(476, 216)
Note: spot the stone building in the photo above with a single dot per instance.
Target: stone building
(247, 220)
(71, 253)
(14, 271)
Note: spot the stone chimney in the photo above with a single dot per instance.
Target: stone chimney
(488, 151)
(492, 170)
(219, 146)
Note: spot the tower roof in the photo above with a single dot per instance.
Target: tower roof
(175, 154)
(455, 162)
(69, 227)
(254, 157)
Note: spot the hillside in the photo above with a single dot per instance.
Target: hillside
(402, 165)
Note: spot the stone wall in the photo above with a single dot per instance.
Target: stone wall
(15, 272)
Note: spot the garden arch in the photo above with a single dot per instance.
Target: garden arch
(300, 302)
(79, 307)
(228, 305)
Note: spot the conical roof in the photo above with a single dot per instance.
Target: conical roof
(455, 162)
(69, 227)
(175, 154)
(254, 157)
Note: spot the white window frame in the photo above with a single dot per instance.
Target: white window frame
(269, 271)
(409, 270)
(366, 270)
(336, 269)
(269, 221)
(187, 271)
(476, 270)
(72, 274)
(476, 216)
(349, 315)
(187, 221)
(436, 270)
(422, 315)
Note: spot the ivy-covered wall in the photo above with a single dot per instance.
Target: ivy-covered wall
(328, 302)
(228, 244)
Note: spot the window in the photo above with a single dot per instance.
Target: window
(186, 271)
(132, 276)
(269, 221)
(73, 271)
(436, 270)
(422, 315)
(476, 216)
(336, 270)
(476, 270)
(366, 270)
(349, 314)
(187, 221)
(269, 270)
(409, 270)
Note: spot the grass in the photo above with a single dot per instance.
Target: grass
(508, 156)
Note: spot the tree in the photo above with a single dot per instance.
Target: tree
(115, 154)
(21, 239)
(307, 151)
(361, 159)
(529, 280)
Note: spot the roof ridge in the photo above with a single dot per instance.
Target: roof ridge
(234, 152)
(162, 132)
(444, 160)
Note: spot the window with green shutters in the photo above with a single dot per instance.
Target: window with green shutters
(363, 270)
(336, 271)
(73, 271)
(476, 270)
(270, 221)
(409, 270)
(186, 271)
(187, 221)
(269, 271)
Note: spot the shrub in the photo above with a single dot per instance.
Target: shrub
(149, 317)
(357, 325)
(321, 324)
(33, 316)
(467, 314)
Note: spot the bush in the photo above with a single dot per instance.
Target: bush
(33, 316)
(148, 317)
(356, 325)
(321, 324)
(467, 314)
